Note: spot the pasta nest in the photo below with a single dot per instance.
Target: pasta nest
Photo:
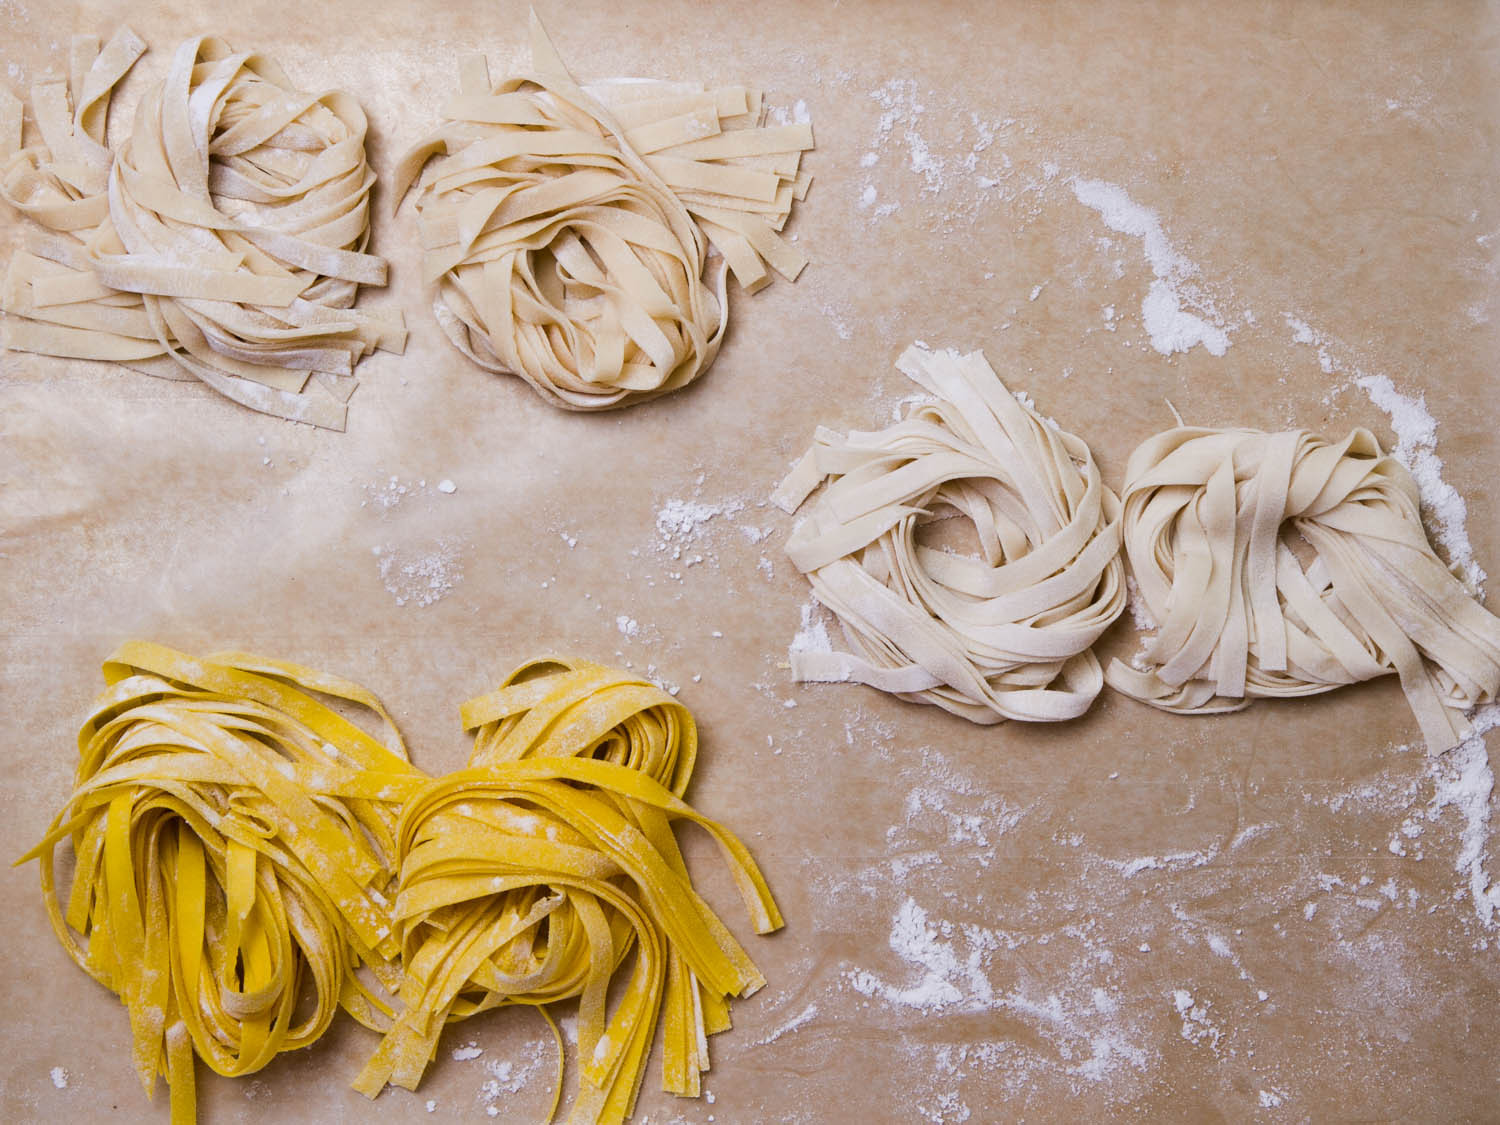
(530, 876)
(559, 256)
(224, 240)
(1286, 565)
(1005, 634)
(235, 843)
(567, 230)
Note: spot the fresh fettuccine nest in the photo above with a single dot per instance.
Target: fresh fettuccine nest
(1004, 635)
(1212, 520)
(235, 845)
(224, 240)
(567, 229)
(532, 875)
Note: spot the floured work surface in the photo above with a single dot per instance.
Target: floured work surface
(1280, 220)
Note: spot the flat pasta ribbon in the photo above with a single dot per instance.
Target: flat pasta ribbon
(1005, 635)
(1212, 519)
(530, 876)
(567, 230)
(235, 849)
(225, 240)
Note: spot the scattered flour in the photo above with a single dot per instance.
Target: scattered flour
(506, 1077)
(1170, 325)
(792, 1025)
(1086, 1032)
(418, 577)
(391, 493)
(1197, 1028)
(1176, 861)
(1463, 779)
(627, 625)
(467, 1051)
(679, 521)
(59, 1078)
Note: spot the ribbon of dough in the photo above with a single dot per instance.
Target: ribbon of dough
(529, 878)
(567, 230)
(1002, 635)
(1286, 565)
(235, 852)
(224, 241)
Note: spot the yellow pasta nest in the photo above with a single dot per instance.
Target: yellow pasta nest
(1001, 634)
(224, 241)
(1212, 523)
(238, 844)
(567, 230)
(235, 844)
(532, 875)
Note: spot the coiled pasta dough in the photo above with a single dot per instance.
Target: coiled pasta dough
(224, 241)
(530, 876)
(1003, 636)
(567, 231)
(235, 845)
(1211, 525)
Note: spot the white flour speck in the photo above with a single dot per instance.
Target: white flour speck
(467, 1052)
(1197, 1028)
(59, 1078)
(421, 577)
(791, 1025)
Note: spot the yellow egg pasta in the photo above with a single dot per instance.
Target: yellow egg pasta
(234, 839)
(567, 228)
(531, 876)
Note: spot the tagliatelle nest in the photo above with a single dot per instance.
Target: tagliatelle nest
(1212, 519)
(1001, 634)
(224, 241)
(567, 230)
(529, 878)
(235, 849)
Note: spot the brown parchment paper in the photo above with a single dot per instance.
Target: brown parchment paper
(1131, 916)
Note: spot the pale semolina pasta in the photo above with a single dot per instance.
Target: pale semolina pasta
(1284, 565)
(224, 240)
(566, 229)
(547, 866)
(234, 844)
(1004, 634)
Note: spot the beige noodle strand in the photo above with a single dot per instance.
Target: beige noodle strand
(225, 240)
(1286, 565)
(567, 230)
(1005, 635)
